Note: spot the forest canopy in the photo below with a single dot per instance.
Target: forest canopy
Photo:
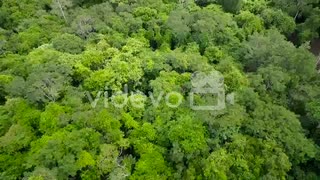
(67, 66)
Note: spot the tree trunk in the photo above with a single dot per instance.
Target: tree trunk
(62, 12)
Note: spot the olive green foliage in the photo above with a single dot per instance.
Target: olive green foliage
(60, 58)
(68, 43)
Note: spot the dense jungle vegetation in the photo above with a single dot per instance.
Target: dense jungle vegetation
(56, 56)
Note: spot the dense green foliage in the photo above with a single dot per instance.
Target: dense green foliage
(56, 55)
